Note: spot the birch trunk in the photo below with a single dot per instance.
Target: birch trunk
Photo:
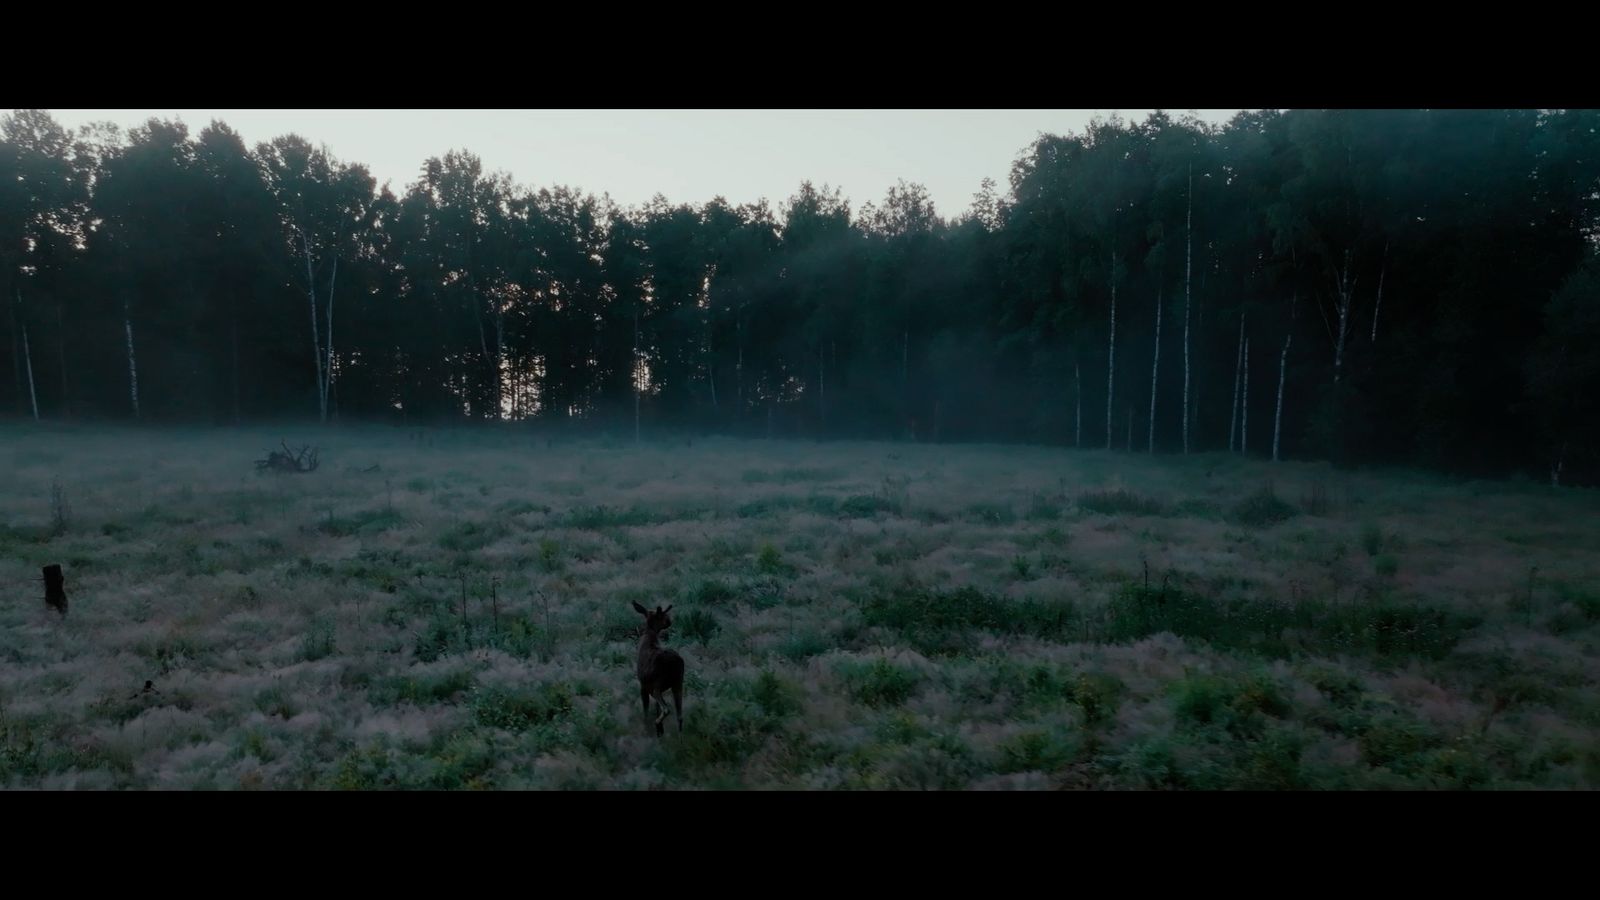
(1277, 419)
(711, 378)
(1345, 291)
(316, 341)
(636, 375)
(1244, 407)
(1379, 303)
(1238, 369)
(1111, 356)
(1188, 277)
(1155, 372)
(236, 416)
(27, 358)
(327, 368)
(1077, 380)
(133, 367)
(711, 369)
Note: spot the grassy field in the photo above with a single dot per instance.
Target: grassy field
(854, 615)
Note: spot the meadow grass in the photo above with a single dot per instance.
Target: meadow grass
(454, 612)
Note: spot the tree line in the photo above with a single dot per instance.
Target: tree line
(1412, 287)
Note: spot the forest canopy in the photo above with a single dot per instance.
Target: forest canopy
(1415, 287)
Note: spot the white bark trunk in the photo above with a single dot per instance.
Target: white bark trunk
(711, 378)
(316, 341)
(500, 361)
(1346, 289)
(133, 367)
(1155, 374)
(27, 358)
(1077, 380)
(327, 369)
(1277, 419)
(1244, 408)
(1379, 304)
(1111, 355)
(1238, 369)
(236, 416)
(1188, 273)
(636, 375)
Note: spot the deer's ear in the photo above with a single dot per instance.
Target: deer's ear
(639, 609)
(668, 609)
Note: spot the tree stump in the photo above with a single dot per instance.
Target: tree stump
(55, 591)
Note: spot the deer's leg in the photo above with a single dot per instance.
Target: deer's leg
(644, 697)
(661, 713)
(677, 704)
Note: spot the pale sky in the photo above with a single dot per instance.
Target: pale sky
(688, 155)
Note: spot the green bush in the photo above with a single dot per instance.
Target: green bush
(879, 683)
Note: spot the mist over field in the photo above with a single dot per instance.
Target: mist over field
(1258, 454)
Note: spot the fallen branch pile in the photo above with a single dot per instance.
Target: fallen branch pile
(302, 460)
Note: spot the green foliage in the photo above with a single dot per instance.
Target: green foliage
(696, 624)
(711, 592)
(879, 683)
(862, 506)
(595, 518)
(1263, 509)
(1382, 628)
(770, 562)
(777, 697)
(472, 535)
(942, 622)
(517, 709)
(1119, 502)
(992, 513)
(369, 521)
(788, 475)
(550, 556)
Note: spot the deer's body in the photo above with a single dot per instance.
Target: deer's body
(659, 670)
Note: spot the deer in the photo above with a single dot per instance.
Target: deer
(659, 670)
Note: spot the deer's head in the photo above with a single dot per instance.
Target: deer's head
(655, 621)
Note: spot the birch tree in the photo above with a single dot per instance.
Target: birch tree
(323, 205)
(1344, 295)
(1244, 408)
(26, 357)
(1111, 351)
(1377, 305)
(1277, 419)
(133, 365)
(1238, 371)
(1283, 368)
(1077, 381)
(1155, 374)
(1188, 272)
